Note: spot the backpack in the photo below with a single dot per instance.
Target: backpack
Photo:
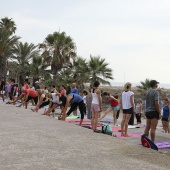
(106, 129)
(146, 142)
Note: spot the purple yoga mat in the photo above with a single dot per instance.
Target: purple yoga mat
(163, 145)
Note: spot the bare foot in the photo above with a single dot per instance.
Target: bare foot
(122, 134)
(32, 109)
(126, 135)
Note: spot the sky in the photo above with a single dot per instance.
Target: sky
(132, 35)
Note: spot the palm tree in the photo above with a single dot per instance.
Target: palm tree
(7, 41)
(8, 24)
(58, 49)
(81, 72)
(99, 70)
(145, 85)
(38, 69)
(24, 53)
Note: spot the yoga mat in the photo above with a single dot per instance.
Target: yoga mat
(133, 127)
(163, 145)
(130, 135)
(115, 129)
(72, 117)
(98, 125)
(107, 120)
(77, 120)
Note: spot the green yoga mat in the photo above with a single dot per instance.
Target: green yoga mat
(72, 117)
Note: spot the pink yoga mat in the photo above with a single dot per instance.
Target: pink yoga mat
(115, 129)
(130, 135)
(98, 125)
(77, 120)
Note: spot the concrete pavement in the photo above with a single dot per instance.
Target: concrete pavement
(30, 141)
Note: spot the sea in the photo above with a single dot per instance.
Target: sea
(121, 84)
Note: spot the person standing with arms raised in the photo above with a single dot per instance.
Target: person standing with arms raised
(153, 113)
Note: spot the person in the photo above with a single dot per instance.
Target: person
(128, 108)
(22, 95)
(55, 102)
(30, 94)
(75, 100)
(46, 90)
(96, 106)
(153, 113)
(43, 101)
(88, 102)
(13, 91)
(74, 90)
(63, 93)
(9, 89)
(166, 115)
(114, 106)
(138, 111)
(2, 89)
(37, 86)
(53, 89)
(84, 99)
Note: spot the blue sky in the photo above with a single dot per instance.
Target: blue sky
(132, 35)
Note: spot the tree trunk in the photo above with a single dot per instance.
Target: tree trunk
(2, 67)
(21, 79)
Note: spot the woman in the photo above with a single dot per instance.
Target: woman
(43, 101)
(88, 102)
(73, 100)
(62, 90)
(96, 106)
(138, 111)
(128, 108)
(114, 106)
(55, 102)
(166, 115)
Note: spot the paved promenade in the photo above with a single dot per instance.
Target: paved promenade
(30, 141)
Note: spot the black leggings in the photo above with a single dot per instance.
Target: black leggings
(81, 108)
(117, 114)
(138, 117)
(44, 104)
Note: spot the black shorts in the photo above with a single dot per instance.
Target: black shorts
(128, 111)
(165, 119)
(34, 98)
(152, 115)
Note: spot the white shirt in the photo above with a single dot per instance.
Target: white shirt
(84, 98)
(126, 104)
(55, 99)
(95, 99)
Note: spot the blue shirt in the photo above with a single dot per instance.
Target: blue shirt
(165, 112)
(76, 98)
(75, 90)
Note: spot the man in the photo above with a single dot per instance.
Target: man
(2, 88)
(30, 94)
(153, 113)
(74, 90)
(37, 86)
